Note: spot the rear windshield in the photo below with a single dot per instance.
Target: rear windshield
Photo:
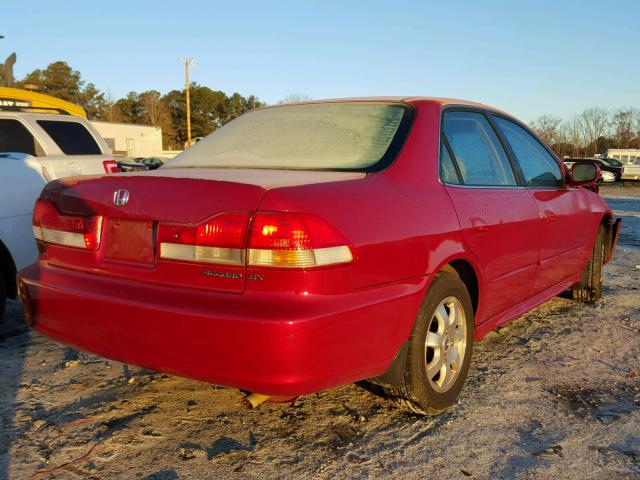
(325, 136)
(71, 137)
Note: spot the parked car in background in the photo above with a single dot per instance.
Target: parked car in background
(34, 149)
(305, 246)
(126, 164)
(153, 162)
(631, 173)
(21, 181)
(607, 177)
(64, 145)
(606, 165)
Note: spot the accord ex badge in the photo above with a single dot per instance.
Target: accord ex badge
(120, 197)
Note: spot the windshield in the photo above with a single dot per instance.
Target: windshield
(326, 136)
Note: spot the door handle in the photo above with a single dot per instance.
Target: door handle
(479, 226)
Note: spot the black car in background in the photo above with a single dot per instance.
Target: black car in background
(606, 164)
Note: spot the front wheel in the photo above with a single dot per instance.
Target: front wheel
(440, 349)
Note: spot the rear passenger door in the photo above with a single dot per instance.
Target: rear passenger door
(498, 217)
(566, 222)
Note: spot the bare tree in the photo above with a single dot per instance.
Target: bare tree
(156, 113)
(295, 98)
(594, 122)
(574, 133)
(622, 128)
(112, 112)
(547, 128)
(636, 127)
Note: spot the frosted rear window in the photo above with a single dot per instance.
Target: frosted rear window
(314, 136)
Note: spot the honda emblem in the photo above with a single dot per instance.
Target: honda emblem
(120, 197)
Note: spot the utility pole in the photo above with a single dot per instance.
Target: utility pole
(188, 63)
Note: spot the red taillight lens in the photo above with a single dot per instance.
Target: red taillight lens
(226, 230)
(276, 240)
(52, 226)
(295, 240)
(110, 166)
(220, 239)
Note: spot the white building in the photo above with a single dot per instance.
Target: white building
(130, 139)
(623, 155)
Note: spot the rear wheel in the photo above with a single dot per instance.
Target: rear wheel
(440, 349)
(589, 290)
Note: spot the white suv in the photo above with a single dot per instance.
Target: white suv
(34, 149)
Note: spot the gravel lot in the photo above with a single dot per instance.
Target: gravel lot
(553, 394)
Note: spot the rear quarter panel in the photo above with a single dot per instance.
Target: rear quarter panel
(400, 221)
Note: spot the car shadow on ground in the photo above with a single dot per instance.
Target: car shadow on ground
(15, 339)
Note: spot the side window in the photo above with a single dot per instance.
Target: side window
(481, 159)
(14, 137)
(72, 137)
(448, 172)
(538, 166)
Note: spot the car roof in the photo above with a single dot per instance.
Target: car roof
(42, 116)
(441, 101)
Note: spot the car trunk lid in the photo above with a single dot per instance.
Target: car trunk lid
(132, 205)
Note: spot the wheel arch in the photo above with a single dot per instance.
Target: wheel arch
(612, 229)
(469, 272)
(469, 277)
(8, 270)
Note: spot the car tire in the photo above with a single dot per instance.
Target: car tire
(589, 290)
(437, 336)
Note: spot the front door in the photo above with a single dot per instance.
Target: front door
(564, 213)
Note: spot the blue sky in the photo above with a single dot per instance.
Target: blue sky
(528, 58)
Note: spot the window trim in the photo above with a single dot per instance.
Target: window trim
(517, 171)
(454, 162)
(443, 140)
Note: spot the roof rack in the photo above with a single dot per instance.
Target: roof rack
(31, 109)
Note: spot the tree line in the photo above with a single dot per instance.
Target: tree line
(210, 109)
(584, 135)
(590, 132)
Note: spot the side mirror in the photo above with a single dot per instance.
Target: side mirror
(584, 174)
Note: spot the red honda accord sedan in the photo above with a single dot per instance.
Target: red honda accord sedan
(305, 246)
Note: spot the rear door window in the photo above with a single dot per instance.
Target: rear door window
(71, 137)
(478, 153)
(14, 137)
(448, 173)
(539, 168)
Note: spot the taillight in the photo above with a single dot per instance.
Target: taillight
(221, 239)
(294, 240)
(111, 166)
(52, 227)
(283, 240)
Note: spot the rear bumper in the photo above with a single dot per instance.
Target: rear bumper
(271, 343)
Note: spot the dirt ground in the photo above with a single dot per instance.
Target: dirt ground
(553, 394)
